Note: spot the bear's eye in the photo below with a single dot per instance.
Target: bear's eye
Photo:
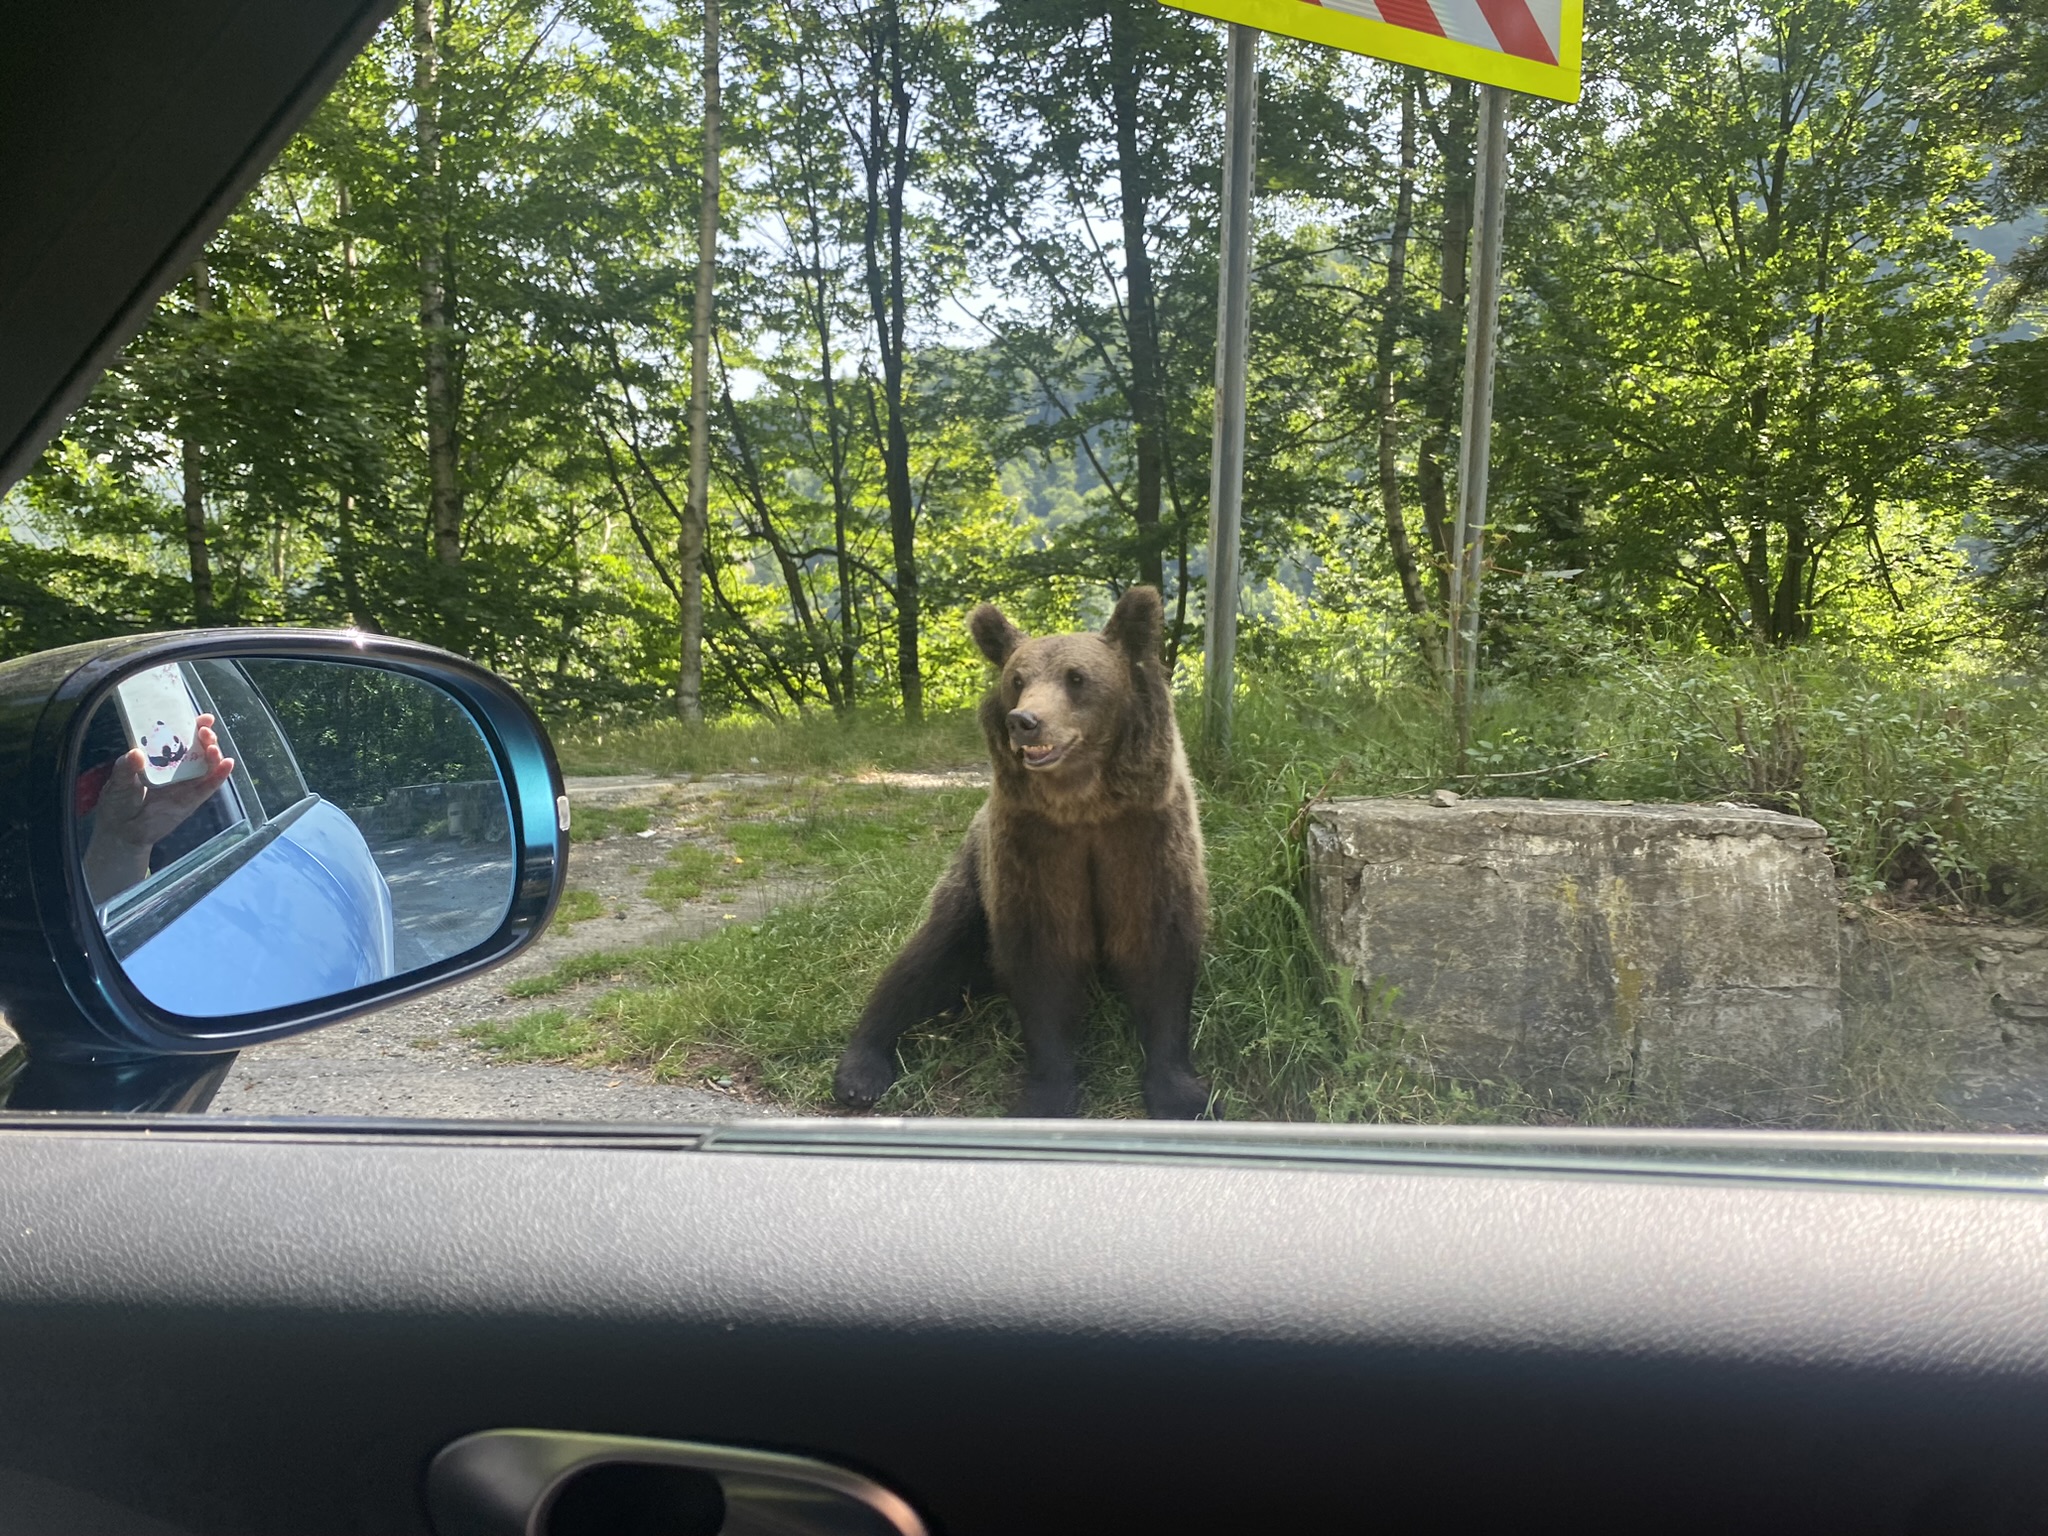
(1075, 679)
(1017, 682)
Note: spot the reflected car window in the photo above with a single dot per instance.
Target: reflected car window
(409, 768)
(259, 747)
(105, 742)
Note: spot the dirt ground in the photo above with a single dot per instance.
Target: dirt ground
(411, 1060)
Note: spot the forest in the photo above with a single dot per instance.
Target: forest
(1771, 380)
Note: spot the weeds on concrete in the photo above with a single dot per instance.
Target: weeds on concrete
(595, 823)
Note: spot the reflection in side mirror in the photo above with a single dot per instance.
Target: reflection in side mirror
(260, 833)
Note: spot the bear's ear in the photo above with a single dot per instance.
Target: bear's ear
(1138, 624)
(994, 633)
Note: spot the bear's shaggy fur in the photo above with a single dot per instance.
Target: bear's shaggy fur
(1088, 854)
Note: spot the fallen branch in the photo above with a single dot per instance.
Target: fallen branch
(1308, 802)
(1535, 773)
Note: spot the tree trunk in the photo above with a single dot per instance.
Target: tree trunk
(1393, 302)
(1791, 619)
(348, 558)
(192, 464)
(1454, 137)
(786, 558)
(1148, 406)
(697, 499)
(889, 141)
(842, 547)
(820, 313)
(349, 562)
(444, 492)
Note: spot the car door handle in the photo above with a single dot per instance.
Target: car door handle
(536, 1482)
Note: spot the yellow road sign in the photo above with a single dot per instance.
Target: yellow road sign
(1524, 45)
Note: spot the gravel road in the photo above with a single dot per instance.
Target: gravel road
(411, 1061)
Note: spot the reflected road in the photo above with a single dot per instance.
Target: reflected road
(446, 895)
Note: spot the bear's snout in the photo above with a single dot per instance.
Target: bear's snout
(1024, 725)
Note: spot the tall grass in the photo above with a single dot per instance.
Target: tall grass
(1932, 784)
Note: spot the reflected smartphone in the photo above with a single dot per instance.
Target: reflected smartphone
(159, 715)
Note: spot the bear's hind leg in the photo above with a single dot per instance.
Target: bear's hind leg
(944, 960)
(1160, 991)
(1050, 995)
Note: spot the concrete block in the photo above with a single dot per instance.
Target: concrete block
(1677, 961)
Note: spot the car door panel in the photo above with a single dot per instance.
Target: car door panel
(276, 1329)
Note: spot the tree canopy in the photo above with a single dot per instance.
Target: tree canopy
(1761, 385)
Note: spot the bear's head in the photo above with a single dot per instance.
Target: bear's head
(1063, 704)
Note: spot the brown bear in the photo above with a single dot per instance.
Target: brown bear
(1087, 854)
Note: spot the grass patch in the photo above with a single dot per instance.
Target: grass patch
(820, 827)
(687, 872)
(838, 827)
(595, 823)
(554, 1034)
(595, 966)
(579, 906)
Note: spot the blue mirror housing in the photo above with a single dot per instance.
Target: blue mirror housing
(91, 1036)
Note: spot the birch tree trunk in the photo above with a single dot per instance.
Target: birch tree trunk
(888, 174)
(444, 492)
(1148, 406)
(696, 500)
(1393, 302)
(192, 465)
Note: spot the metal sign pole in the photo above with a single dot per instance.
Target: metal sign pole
(1233, 337)
(1490, 174)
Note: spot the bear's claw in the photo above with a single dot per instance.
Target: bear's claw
(1048, 1099)
(863, 1077)
(1179, 1098)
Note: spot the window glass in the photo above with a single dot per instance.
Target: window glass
(1671, 751)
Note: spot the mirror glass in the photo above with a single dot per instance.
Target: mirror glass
(262, 832)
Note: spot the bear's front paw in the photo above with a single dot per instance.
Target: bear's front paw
(1179, 1096)
(863, 1077)
(1048, 1099)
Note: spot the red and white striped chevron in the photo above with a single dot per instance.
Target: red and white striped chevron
(1527, 29)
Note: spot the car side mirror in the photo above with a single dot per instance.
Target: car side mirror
(216, 839)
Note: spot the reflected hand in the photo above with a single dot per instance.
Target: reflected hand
(133, 814)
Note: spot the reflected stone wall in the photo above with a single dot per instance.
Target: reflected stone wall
(472, 811)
